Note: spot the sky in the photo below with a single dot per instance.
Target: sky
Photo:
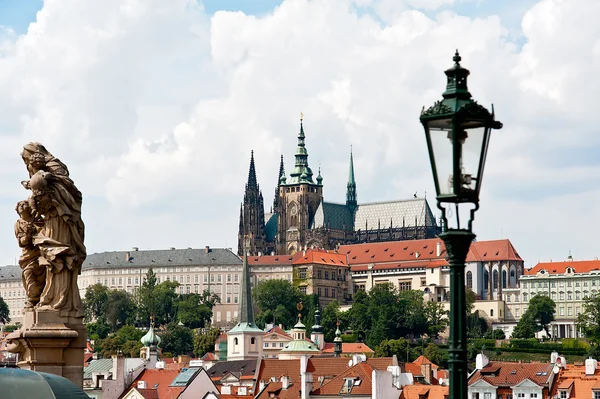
(155, 106)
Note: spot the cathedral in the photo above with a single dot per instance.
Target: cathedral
(300, 219)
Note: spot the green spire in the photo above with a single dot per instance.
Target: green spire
(302, 172)
(317, 328)
(351, 187)
(246, 312)
(320, 178)
(337, 341)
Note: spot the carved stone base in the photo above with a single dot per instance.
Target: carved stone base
(51, 343)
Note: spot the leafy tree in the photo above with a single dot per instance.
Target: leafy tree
(157, 300)
(329, 318)
(413, 318)
(470, 297)
(98, 329)
(205, 342)
(119, 309)
(360, 319)
(194, 310)
(476, 326)
(177, 340)
(495, 334)
(433, 353)
(399, 347)
(4, 312)
(437, 318)
(525, 328)
(94, 301)
(589, 320)
(277, 300)
(542, 309)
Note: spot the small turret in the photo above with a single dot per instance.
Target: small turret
(337, 341)
(317, 334)
(150, 342)
(319, 178)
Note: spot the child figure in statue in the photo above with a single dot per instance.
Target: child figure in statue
(33, 275)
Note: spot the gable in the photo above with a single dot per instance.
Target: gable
(481, 384)
(527, 383)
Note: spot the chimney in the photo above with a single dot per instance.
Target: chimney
(259, 253)
(135, 248)
(127, 256)
(141, 384)
(438, 249)
(285, 382)
(590, 366)
(553, 357)
(481, 361)
(206, 249)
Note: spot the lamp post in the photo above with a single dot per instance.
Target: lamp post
(457, 130)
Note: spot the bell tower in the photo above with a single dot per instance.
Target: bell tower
(299, 197)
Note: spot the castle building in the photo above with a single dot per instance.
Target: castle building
(301, 219)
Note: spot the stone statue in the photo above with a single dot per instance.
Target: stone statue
(50, 233)
(52, 216)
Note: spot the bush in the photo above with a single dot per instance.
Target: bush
(480, 342)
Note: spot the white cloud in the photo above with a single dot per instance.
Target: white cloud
(155, 106)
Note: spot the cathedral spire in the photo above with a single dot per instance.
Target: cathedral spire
(279, 182)
(301, 173)
(351, 187)
(252, 173)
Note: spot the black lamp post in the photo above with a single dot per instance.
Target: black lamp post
(458, 133)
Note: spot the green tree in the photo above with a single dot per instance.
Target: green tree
(470, 297)
(157, 300)
(525, 328)
(360, 319)
(329, 318)
(94, 301)
(413, 318)
(98, 330)
(589, 320)
(4, 312)
(177, 340)
(205, 342)
(495, 334)
(476, 326)
(119, 309)
(433, 353)
(277, 300)
(437, 318)
(542, 310)
(399, 347)
(194, 310)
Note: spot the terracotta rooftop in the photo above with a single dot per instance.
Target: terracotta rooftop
(277, 330)
(157, 384)
(348, 348)
(405, 253)
(424, 392)
(320, 257)
(275, 390)
(580, 266)
(581, 385)
(361, 385)
(508, 374)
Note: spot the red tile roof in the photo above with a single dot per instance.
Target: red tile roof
(582, 384)
(423, 360)
(508, 374)
(580, 266)
(359, 372)
(320, 257)
(424, 392)
(278, 330)
(423, 253)
(161, 378)
(275, 390)
(348, 348)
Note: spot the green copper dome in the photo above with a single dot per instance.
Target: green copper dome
(150, 339)
(18, 383)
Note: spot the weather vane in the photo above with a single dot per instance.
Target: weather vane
(299, 307)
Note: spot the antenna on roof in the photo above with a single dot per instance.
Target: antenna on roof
(570, 257)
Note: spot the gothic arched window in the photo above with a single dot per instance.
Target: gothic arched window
(469, 279)
(504, 278)
(495, 279)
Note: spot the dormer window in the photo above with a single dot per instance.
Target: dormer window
(596, 394)
(349, 383)
(563, 394)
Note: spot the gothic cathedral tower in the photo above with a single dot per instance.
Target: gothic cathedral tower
(252, 216)
(299, 198)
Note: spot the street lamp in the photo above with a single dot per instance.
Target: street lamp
(458, 133)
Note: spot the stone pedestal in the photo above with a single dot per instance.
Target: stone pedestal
(51, 343)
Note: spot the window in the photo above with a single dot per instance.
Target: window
(491, 312)
(302, 274)
(553, 284)
(596, 394)
(303, 291)
(577, 283)
(326, 273)
(577, 295)
(196, 279)
(281, 344)
(577, 311)
(524, 297)
(524, 284)
(487, 395)
(517, 312)
(252, 341)
(569, 311)
(562, 296)
(319, 273)
(219, 278)
(128, 280)
(569, 295)
(508, 298)
(266, 344)
(235, 278)
(326, 292)
(424, 281)
(404, 286)
(533, 395)
(319, 291)
(228, 316)
(469, 280)
(562, 311)
(569, 283)
(205, 278)
(520, 395)
(554, 296)
(475, 395)
(333, 292)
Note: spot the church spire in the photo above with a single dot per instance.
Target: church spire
(246, 312)
(281, 175)
(301, 173)
(252, 173)
(351, 187)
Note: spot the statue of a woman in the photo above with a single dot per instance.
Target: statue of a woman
(60, 241)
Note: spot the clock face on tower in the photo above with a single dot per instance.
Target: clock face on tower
(294, 210)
